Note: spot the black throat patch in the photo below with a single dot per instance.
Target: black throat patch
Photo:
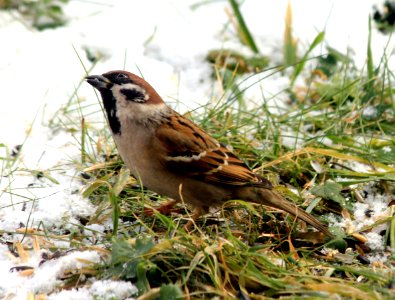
(110, 106)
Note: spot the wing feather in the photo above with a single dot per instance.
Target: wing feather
(190, 151)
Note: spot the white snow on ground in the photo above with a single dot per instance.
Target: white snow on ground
(100, 289)
(46, 276)
(167, 41)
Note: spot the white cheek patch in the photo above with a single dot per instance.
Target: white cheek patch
(140, 112)
(152, 109)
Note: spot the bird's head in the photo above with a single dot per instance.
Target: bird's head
(124, 86)
(126, 96)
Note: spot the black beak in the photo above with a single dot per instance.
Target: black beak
(99, 82)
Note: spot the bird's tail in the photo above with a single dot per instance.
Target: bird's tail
(272, 198)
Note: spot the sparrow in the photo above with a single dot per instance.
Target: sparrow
(174, 157)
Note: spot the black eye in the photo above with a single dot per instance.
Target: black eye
(121, 76)
(118, 78)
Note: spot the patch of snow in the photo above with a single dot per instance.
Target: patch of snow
(370, 112)
(358, 167)
(46, 275)
(108, 289)
(292, 139)
(375, 241)
(82, 293)
(375, 258)
(387, 149)
(100, 289)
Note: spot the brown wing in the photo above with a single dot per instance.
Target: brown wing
(192, 152)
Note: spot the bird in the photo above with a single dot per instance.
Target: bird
(174, 157)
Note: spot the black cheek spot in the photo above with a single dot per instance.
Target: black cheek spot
(133, 95)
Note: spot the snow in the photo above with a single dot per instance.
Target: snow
(387, 149)
(370, 113)
(100, 289)
(167, 41)
(46, 276)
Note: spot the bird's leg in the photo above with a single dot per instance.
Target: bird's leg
(164, 209)
(197, 212)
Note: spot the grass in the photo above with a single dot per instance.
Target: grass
(42, 15)
(340, 120)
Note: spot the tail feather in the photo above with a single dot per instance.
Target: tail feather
(273, 199)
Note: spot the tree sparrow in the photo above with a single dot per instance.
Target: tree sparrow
(173, 156)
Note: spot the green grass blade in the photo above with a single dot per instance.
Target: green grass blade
(245, 33)
(300, 66)
(370, 64)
